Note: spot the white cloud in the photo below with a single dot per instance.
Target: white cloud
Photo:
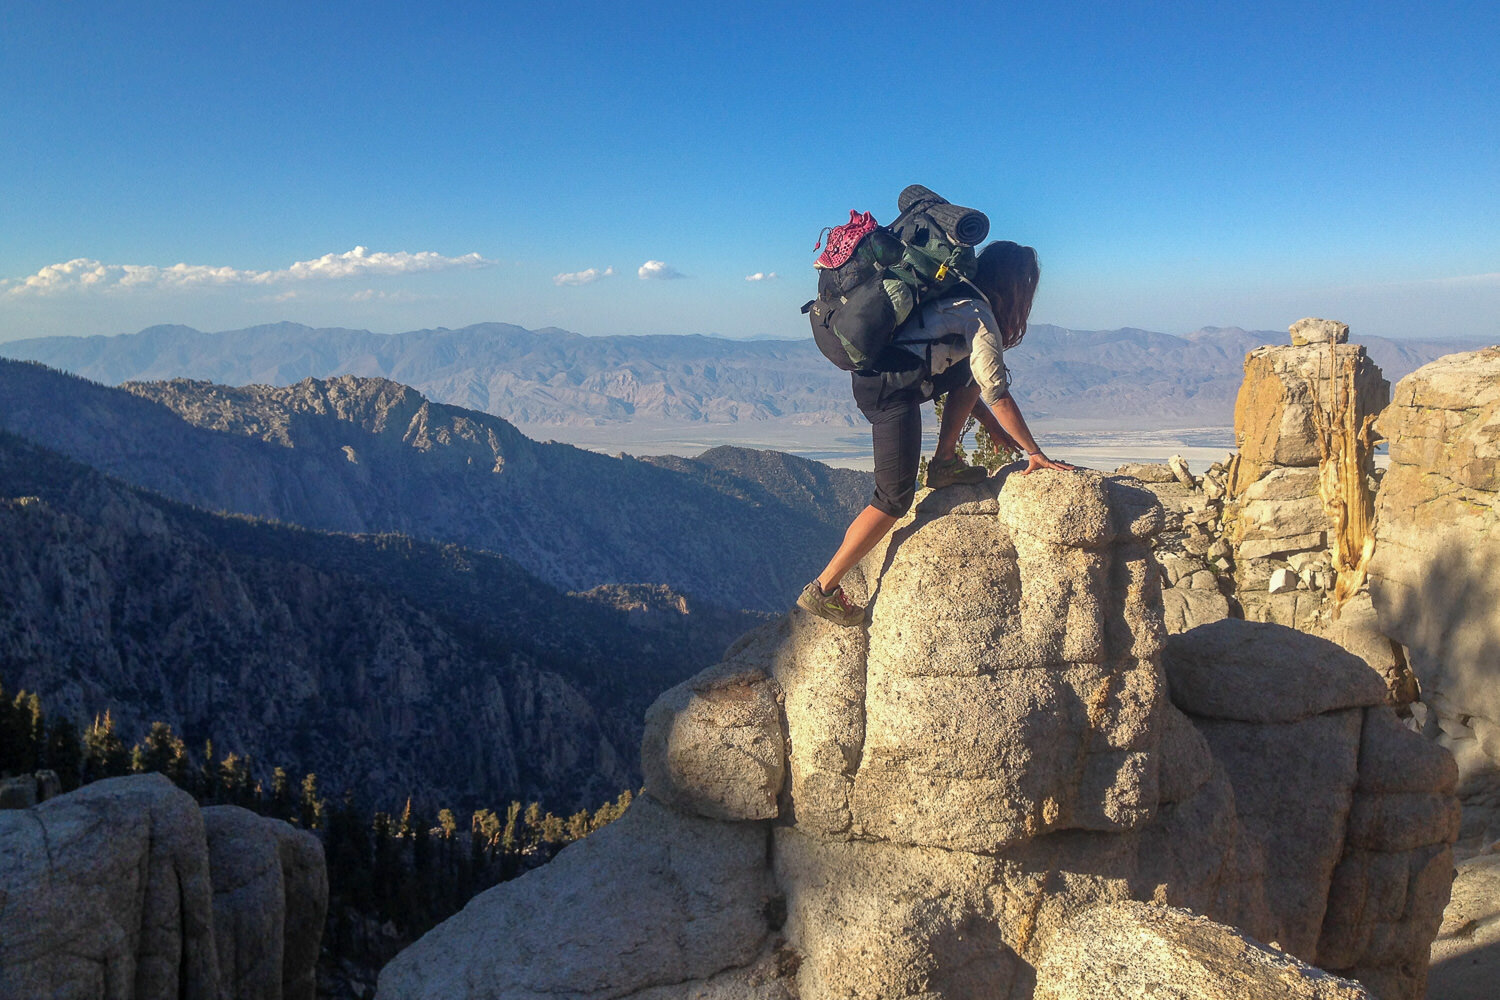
(658, 269)
(361, 261)
(86, 274)
(761, 276)
(588, 277)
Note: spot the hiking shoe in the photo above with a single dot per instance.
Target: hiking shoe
(954, 472)
(835, 606)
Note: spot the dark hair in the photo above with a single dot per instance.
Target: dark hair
(1008, 274)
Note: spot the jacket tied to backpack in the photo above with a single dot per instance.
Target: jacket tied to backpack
(872, 279)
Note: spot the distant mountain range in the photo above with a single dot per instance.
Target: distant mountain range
(552, 379)
(741, 530)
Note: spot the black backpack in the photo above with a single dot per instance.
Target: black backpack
(925, 254)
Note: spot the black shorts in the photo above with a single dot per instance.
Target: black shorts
(892, 403)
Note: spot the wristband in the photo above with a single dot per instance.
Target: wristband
(1032, 454)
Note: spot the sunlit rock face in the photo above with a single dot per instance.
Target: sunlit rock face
(125, 888)
(1291, 406)
(920, 807)
(1433, 578)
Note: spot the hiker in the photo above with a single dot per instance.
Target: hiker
(971, 371)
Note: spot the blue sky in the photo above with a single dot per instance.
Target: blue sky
(1176, 165)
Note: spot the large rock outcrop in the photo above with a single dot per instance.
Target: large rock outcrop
(1352, 812)
(921, 807)
(1298, 426)
(124, 889)
(270, 897)
(1433, 578)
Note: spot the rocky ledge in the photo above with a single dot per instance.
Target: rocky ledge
(929, 806)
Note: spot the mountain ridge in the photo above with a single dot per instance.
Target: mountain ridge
(388, 665)
(370, 455)
(552, 378)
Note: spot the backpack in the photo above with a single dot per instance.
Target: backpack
(873, 278)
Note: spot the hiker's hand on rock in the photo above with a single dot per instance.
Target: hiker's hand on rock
(1036, 460)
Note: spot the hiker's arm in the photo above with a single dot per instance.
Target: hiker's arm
(986, 418)
(1009, 416)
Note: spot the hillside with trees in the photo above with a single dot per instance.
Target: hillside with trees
(386, 665)
(372, 456)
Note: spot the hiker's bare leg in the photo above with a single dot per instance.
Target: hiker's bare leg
(863, 535)
(956, 410)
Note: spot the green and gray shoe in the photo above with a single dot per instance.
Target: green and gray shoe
(835, 606)
(954, 472)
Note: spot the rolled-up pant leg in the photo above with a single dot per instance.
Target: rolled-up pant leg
(896, 430)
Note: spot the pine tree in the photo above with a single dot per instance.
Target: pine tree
(421, 843)
(350, 863)
(309, 805)
(447, 823)
(22, 733)
(552, 829)
(235, 779)
(280, 803)
(532, 818)
(993, 454)
(405, 829)
(510, 836)
(12, 740)
(33, 730)
(486, 826)
(578, 825)
(65, 753)
(208, 774)
(104, 753)
(387, 868)
(162, 752)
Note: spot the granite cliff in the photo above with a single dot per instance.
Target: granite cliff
(1435, 592)
(938, 805)
(1396, 565)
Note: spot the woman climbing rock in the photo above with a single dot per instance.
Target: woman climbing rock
(970, 369)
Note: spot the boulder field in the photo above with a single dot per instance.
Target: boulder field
(1011, 768)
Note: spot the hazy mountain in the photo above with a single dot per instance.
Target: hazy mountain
(369, 455)
(388, 666)
(551, 378)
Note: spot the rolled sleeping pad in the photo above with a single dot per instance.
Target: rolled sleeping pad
(963, 225)
(914, 193)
